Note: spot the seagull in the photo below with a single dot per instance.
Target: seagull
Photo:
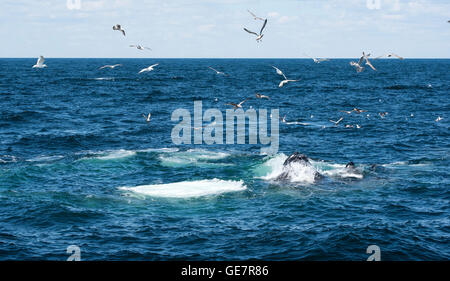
(337, 122)
(259, 96)
(254, 16)
(217, 72)
(285, 82)
(345, 111)
(139, 47)
(147, 117)
(283, 119)
(40, 63)
(358, 65)
(357, 110)
(260, 35)
(358, 126)
(438, 119)
(110, 66)
(236, 106)
(389, 56)
(366, 57)
(279, 72)
(383, 114)
(118, 27)
(316, 60)
(150, 68)
(349, 126)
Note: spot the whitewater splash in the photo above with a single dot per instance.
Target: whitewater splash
(273, 168)
(188, 189)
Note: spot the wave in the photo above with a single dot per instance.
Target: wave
(45, 158)
(111, 155)
(7, 159)
(188, 189)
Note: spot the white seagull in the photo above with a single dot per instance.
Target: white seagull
(259, 96)
(337, 122)
(279, 72)
(150, 68)
(110, 66)
(316, 60)
(254, 16)
(236, 106)
(217, 72)
(438, 119)
(260, 35)
(139, 47)
(389, 56)
(358, 65)
(118, 27)
(40, 63)
(147, 117)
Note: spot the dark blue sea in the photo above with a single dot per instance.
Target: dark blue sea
(79, 164)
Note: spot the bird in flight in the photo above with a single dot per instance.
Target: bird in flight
(438, 119)
(147, 117)
(337, 122)
(118, 27)
(260, 35)
(357, 110)
(139, 47)
(236, 106)
(259, 96)
(285, 81)
(254, 16)
(217, 72)
(110, 66)
(383, 114)
(318, 60)
(40, 63)
(358, 65)
(150, 68)
(389, 56)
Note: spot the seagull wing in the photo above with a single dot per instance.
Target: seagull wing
(123, 32)
(397, 56)
(153, 65)
(361, 60)
(264, 25)
(279, 72)
(40, 60)
(242, 102)
(148, 48)
(251, 32)
(213, 69)
(369, 64)
(252, 14)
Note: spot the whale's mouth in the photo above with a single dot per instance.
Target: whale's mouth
(280, 168)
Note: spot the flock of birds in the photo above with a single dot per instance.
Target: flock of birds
(359, 67)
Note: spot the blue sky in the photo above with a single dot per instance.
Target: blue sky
(175, 28)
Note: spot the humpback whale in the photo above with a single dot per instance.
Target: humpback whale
(297, 161)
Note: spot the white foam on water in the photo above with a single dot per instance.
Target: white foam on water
(188, 189)
(337, 170)
(45, 158)
(7, 159)
(193, 157)
(161, 150)
(111, 154)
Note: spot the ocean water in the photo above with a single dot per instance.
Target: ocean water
(79, 165)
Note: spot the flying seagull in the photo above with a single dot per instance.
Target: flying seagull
(260, 35)
(357, 110)
(139, 47)
(259, 96)
(358, 65)
(389, 56)
(236, 106)
(285, 81)
(40, 63)
(316, 60)
(217, 72)
(147, 117)
(337, 122)
(438, 119)
(254, 16)
(118, 27)
(110, 66)
(150, 68)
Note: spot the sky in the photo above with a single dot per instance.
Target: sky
(214, 29)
